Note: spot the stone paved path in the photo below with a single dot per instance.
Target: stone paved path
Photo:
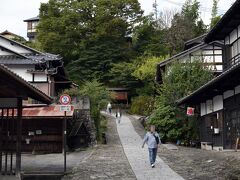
(138, 157)
(106, 162)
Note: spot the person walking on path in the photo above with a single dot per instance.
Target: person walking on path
(109, 108)
(152, 139)
(118, 115)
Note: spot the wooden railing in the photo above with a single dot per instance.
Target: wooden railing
(233, 61)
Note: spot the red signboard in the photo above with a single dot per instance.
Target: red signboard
(121, 96)
(190, 111)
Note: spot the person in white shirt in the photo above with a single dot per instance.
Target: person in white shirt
(109, 108)
(152, 139)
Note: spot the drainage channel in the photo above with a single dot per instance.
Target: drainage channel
(41, 176)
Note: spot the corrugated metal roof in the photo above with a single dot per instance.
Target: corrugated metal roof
(52, 111)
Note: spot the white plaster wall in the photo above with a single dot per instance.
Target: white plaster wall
(228, 94)
(218, 58)
(14, 47)
(227, 40)
(203, 109)
(21, 70)
(208, 52)
(238, 29)
(40, 78)
(237, 89)
(218, 51)
(198, 52)
(217, 103)
(209, 106)
(4, 53)
(233, 36)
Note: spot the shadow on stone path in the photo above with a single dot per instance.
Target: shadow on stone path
(106, 162)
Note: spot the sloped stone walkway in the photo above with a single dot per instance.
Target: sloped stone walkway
(106, 162)
(138, 157)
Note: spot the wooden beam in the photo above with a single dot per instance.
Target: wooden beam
(19, 137)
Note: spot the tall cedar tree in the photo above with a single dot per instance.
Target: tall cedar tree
(90, 34)
(149, 38)
(215, 18)
(185, 25)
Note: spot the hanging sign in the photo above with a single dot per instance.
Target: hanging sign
(190, 111)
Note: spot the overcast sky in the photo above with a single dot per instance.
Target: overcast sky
(13, 12)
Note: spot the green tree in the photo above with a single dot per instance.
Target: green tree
(145, 71)
(90, 34)
(121, 75)
(179, 81)
(215, 18)
(185, 25)
(99, 96)
(149, 39)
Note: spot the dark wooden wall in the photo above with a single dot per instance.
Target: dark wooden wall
(50, 141)
(206, 133)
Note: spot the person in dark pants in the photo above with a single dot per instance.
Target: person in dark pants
(118, 115)
(152, 139)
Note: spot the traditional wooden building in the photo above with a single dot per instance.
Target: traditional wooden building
(210, 54)
(13, 90)
(12, 36)
(43, 70)
(32, 27)
(46, 72)
(120, 95)
(217, 102)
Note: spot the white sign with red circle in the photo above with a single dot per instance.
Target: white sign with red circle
(65, 99)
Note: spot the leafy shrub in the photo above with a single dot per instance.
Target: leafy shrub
(142, 105)
(179, 81)
(99, 97)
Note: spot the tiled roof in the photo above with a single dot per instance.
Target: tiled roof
(32, 19)
(226, 25)
(44, 57)
(7, 60)
(183, 53)
(34, 92)
(35, 55)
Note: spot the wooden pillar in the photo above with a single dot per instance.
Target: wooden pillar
(65, 140)
(1, 135)
(19, 136)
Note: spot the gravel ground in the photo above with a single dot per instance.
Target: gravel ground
(197, 164)
(106, 162)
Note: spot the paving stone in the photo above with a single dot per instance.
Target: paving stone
(170, 146)
(106, 162)
(138, 157)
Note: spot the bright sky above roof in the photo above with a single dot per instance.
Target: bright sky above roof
(13, 12)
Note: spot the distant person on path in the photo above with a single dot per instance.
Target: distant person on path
(109, 108)
(152, 139)
(118, 115)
